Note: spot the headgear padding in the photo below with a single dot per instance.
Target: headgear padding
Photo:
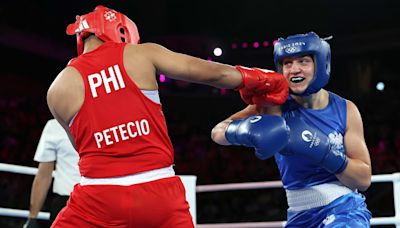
(306, 44)
(106, 24)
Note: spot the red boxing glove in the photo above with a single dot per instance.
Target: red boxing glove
(262, 86)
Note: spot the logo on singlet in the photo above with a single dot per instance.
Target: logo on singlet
(336, 142)
(306, 136)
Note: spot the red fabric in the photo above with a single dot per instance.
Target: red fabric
(113, 118)
(158, 204)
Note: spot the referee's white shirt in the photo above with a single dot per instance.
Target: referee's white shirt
(54, 145)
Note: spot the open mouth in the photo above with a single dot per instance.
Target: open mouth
(297, 79)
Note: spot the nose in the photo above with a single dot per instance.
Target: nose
(295, 68)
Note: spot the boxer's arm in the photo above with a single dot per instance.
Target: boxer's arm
(66, 94)
(358, 171)
(188, 68)
(65, 97)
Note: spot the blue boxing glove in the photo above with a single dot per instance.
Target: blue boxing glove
(267, 134)
(314, 144)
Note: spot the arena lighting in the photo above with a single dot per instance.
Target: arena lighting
(162, 78)
(217, 51)
(255, 44)
(223, 91)
(380, 86)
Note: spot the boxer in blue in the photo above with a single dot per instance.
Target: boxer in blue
(316, 138)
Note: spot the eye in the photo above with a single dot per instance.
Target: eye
(286, 63)
(305, 61)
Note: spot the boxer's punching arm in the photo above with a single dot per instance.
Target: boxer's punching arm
(188, 68)
(358, 172)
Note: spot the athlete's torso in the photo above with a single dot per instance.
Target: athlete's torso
(298, 172)
(118, 130)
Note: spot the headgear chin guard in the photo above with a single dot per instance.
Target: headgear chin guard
(306, 44)
(106, 24)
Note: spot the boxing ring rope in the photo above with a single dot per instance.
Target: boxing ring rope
(394, 178)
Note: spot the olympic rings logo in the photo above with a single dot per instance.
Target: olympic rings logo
(291, 50)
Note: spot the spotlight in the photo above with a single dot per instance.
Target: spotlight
(217, 51)
(162, 78)
(380, 86)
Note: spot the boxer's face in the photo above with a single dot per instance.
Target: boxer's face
(299, 71)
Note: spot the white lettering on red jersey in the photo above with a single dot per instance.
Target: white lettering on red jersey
(98, 79)
(122, 132)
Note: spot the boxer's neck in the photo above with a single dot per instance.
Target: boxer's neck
(91, 43)
(317, 100)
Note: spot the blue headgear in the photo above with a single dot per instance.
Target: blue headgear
(306, 44)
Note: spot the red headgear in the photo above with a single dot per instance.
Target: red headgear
(105, 23)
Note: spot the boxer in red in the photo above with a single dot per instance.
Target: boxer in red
(107, 100)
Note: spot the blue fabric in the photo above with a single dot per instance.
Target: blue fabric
(297, 171)
(347, 211)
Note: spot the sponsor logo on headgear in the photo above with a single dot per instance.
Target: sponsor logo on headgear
(291, 50)
(110, 16)
(83, 25)
(294, 45)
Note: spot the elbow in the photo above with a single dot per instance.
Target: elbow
(214, 135)
(364, 185)
(365, 182)
(218, 135)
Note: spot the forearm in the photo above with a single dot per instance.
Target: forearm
(40, 187)
(228, 77)
(357, 175)
(219, 75)
(201, 71)
(218, 133)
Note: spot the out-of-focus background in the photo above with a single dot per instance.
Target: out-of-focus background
(365, 69)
